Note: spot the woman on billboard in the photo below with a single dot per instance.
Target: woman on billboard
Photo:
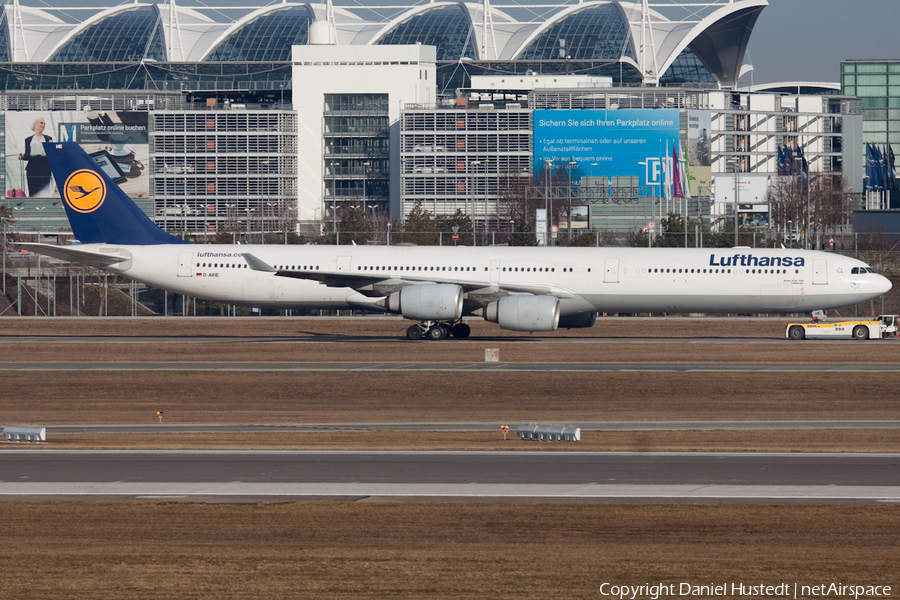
(37, 170)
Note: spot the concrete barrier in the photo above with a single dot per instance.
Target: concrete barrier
(549, 433)
(25, 434)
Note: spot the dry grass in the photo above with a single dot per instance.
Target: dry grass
(386, 397)
(425, 550)
(887, 351)
(829, 440)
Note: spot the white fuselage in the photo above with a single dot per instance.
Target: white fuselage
(607, 279)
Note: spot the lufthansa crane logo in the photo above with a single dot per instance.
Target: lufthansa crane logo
(85, 191)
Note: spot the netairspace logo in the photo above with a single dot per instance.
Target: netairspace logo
(737, 590)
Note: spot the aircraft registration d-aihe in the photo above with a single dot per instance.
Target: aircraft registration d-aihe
(529, 289)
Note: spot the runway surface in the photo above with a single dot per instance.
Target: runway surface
(467, 367)
(557, 476)
(463, 427)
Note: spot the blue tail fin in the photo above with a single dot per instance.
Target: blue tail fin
(98, 210)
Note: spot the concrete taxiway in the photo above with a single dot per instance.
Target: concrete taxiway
(556, 476)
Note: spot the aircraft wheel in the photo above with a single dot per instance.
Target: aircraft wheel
(461, 331)
(437, 333)
(860, 332)
(796, 333)
(414, 333)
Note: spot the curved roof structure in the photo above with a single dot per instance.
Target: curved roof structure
(448, 27)
(706, 43)
(126, 33)
(598, 31)
(266, 35)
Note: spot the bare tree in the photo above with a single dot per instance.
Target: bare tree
(820, 208)
(787, 205)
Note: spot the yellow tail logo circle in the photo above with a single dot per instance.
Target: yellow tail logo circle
(85, 191)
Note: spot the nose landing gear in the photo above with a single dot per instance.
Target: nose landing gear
(433, 330)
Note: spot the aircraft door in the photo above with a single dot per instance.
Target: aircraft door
(343, 264)
(185, 261)
(820, 272)
(611, 273)
(495, 271)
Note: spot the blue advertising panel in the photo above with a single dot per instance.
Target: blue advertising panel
(608, 142)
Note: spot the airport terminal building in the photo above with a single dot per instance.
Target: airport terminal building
(274, 119)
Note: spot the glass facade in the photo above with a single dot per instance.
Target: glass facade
(160, 76)
(356, 159)
(599, 32)
(687, 68)
(267, 38)
(877, 83)
(448, 29)
(134, 34)
(5, 48)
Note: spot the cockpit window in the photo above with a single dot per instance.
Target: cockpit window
(858, 270)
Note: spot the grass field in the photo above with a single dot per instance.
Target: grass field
(431, 550)
(336, 549)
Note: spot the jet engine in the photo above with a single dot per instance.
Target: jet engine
(578, 321)
(524, 313)
(427, 302)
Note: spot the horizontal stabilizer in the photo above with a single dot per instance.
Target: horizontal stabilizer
(94, 258)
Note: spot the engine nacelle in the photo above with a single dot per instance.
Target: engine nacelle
(427, 302)
(524, 313)
(578, 321)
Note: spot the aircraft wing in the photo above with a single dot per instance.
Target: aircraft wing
(94, 258)
(374, 286)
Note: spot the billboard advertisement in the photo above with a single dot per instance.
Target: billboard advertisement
(698, 152)
(117, 141)
(752, 189)
(630, 142)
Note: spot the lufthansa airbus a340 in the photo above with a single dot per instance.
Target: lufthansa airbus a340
(521, 289)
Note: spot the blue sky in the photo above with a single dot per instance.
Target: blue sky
(806, 40)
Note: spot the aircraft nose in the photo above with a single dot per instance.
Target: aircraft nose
(883, 285)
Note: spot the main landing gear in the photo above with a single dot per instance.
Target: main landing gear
(432, 330)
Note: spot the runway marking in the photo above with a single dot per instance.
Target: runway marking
(163, 490)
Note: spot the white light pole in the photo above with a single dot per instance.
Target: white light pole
(548, 205)
(365, 176)
(473, 164)
(737, 194)
(572, 165)
(334, 197)
(250, 223)
(40, 210)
